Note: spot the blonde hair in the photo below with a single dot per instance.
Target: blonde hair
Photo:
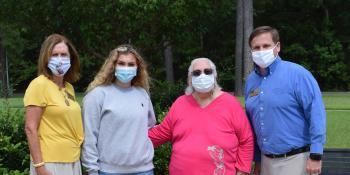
(50, 42)
(189, 89)
(106, 74)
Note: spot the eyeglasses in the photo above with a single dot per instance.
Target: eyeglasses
(198, 72)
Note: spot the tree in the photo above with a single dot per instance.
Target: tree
(239, 49)
(316, 38)
(244, 26)
(168, 55)
(193, 29)
(247, 29)
(3, 71)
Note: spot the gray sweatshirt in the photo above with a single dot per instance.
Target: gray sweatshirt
(116, 122)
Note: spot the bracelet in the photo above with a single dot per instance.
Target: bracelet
(38, 164)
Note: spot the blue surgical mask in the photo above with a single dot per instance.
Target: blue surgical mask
(59, 66)
(125, 74)
(203, 83)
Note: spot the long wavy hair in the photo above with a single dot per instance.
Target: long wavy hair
(106, 74)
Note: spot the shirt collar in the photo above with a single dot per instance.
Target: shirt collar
(270, 69)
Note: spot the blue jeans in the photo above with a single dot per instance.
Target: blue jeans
(150, 172)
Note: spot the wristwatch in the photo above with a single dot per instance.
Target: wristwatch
(315, 156)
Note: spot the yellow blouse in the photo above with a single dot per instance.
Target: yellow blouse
(61, 127)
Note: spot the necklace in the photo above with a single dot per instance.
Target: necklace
(65, 94)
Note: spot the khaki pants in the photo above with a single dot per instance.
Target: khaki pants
(60, 168)
(292, 165)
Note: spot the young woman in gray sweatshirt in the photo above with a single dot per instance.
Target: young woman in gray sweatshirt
(117, 112)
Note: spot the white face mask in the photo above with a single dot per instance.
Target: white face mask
(264, 58)
(203, 83)
(59, 66)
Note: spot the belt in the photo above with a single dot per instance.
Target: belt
(290, 153)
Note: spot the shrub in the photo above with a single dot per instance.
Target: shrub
(13, 145)
(163, 94)
(5, 171)
(162, 154)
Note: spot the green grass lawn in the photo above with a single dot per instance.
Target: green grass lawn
(337, 100)
(332, 100)
(338, 129)
(338, 116)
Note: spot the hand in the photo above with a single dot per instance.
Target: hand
(313, 166)
(257, 168)
(241, 173)
(42, 171)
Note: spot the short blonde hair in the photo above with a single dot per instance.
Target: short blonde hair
(106, 73)
(50, 42)
(189, 89)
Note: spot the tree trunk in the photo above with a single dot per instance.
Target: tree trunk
(248, 28)
(3, 71)
(239, 48)
(168, 56)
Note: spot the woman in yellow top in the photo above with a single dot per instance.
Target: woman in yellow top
(53, 122)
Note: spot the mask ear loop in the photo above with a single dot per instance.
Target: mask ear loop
(278, 43)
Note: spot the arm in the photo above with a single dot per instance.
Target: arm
(241, 173)
(151, 115)
(257, 168)
(161, 133)
(91, 117)
(245, 139)
(310, 99)
(257, 152)
(32, 121)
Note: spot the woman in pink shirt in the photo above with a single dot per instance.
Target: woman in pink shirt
(209, 131)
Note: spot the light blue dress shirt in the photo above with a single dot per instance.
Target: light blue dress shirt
(285, 108)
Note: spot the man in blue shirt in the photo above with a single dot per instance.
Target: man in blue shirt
(284, 104)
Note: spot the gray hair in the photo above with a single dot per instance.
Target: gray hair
(189, 89)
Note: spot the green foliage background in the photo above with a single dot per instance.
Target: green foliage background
(313, 33)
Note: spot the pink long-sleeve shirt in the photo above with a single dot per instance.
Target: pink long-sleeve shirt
(216, 139)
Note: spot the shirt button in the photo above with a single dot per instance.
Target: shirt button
(264, 140)
(262, 123)
(264, 78)
(262, 92)
(261, 108)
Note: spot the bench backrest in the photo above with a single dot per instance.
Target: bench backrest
(336, 162)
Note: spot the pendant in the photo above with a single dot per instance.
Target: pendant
(67, 102)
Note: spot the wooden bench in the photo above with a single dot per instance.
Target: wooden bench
(336, 162)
